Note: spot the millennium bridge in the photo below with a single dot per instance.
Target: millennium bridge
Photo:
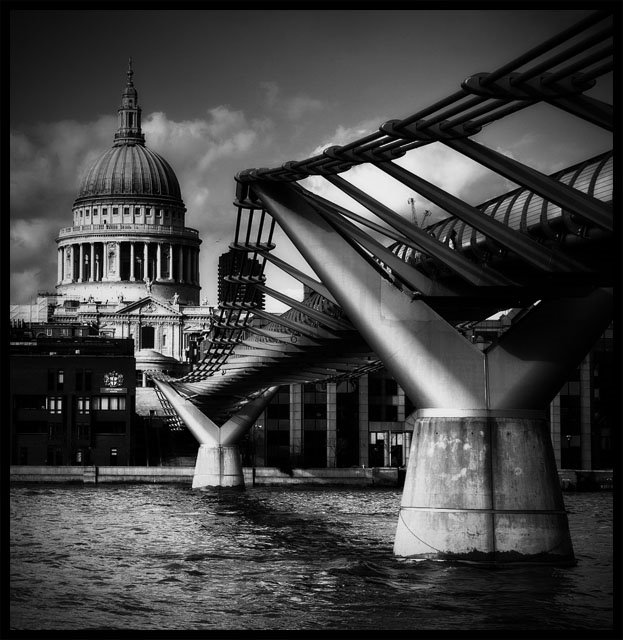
(481, 482)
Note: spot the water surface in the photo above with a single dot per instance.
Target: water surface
(166, 557)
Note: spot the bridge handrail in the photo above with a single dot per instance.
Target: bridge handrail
(488, 97)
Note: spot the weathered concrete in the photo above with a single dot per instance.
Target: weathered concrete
(218, 461)
(483, 488)
(218, 467)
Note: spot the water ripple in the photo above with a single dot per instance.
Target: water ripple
(166, 557)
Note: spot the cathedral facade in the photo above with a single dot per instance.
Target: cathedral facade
(128, 265)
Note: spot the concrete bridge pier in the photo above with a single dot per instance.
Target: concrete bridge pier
(218, 463)
(218, 467)
(482, 486)
(481, 482)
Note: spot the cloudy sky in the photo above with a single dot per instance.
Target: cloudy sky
(223, 91)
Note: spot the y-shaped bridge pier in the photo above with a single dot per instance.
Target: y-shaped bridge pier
(481, 482)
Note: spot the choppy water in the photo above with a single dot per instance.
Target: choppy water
(166, 557)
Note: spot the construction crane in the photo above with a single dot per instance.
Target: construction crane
(411, 201)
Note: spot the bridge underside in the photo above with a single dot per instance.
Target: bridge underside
(481, 482)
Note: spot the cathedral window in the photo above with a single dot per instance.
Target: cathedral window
(126, 211)
(104, 211)
(115, 211)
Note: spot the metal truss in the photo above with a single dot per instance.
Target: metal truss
(552, 236)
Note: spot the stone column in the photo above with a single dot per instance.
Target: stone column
(170, 261)
(59, 265)
(69, 263)
(92, 265)
(296, 421)
(331, 423)
(145, 260)
(159, 261)
(105, 260)
(180, 274)
(364, 435)
(585, 413)
(132, 278)
(81, 264)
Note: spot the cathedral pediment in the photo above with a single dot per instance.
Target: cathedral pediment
(148, 306)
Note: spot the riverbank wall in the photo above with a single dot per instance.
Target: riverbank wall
(570, 480)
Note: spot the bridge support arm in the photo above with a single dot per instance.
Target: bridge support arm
(531, 361)
(407, 334)
(205, 431)
(239, 424)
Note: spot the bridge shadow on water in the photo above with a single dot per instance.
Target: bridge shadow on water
(343, 556)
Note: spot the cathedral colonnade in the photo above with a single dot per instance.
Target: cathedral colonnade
(127, 260)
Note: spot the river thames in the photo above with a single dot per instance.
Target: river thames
(166, 557)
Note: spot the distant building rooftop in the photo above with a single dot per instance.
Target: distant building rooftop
(88, 345)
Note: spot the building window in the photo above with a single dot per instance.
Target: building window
(114, 457)
(84, 405)
(400, 442)
(54, 404)
(115, 211)
(55, 430)
(55, 456)
(104, 211)
(164, 339)
(376, 449)
(95, 211)
(147, 337)
(88, 376)
(108, 403)
(126, 211)
(84, 431)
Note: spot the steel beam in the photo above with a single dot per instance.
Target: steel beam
(425, 242)
(303, 278)
(574, 201)
(523, 246)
